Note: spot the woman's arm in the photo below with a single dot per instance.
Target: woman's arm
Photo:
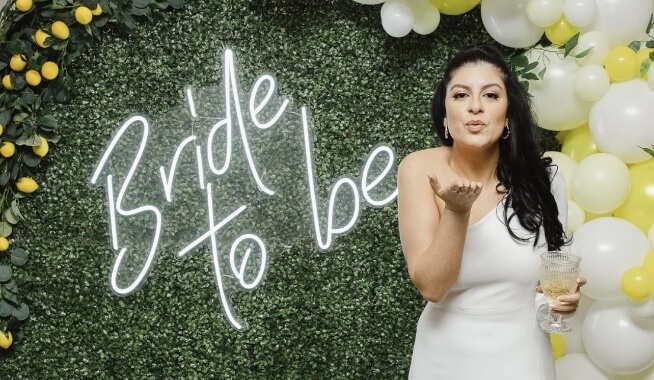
(432, 241)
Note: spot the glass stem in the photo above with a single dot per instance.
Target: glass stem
(555, 317)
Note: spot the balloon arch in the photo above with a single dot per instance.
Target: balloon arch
(595, 87)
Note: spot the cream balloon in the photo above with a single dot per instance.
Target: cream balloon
(650, 77)
(647, 374)
(616, 341)
(554, 99)
(574, 341)
(579, 366)
(621, 121)
(599, 44)
(621, 22)
(397, 18)
(601, 183)
(508, 24)
(426, 19)
(642, 309)
(576, 216)
(544, 13)
(580, 13)
(608, 247)
(566, 165)
(650, 236)
(591, 82)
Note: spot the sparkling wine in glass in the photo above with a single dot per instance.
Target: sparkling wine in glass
(558, 277)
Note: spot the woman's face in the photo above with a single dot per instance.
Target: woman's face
(475, 105)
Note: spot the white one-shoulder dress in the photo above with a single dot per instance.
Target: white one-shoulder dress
(486, 328)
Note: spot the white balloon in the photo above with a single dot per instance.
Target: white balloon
(647, 374)
(580, 13)
(576, 216)
(574, 341)
(555, 102)
(622, 22)
(650, 77)
(369, 2)
(416, 4)
(508, 24)
(566, 165)
(426, 19)
(578, 366)
(617, 342)
(601, 183)
(397, 18)
(591, 82)
(544, 13)
(642, 309)
(599, 44)
(608, 247)
(621, 121)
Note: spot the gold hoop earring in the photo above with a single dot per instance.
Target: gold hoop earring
(508, 132)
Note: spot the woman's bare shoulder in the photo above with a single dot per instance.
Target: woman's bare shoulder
(424, 160)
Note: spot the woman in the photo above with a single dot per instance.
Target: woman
(474, 215)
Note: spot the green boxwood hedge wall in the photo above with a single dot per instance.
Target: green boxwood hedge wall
(349, 313)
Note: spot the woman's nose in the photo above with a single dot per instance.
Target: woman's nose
(475, 105)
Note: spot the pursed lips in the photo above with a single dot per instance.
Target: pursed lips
(475, 125)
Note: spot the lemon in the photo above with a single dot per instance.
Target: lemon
(6, 82)
(60, 30)
(5, 340)
(97, 11)
(4, 244)
(18, 62)
(26, 185)
(40, 37)
(49, 70)
(23, 5)
(7, 149)
(42, 149)
(83, 15)
(33, 78)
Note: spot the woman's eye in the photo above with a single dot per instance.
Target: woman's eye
(492, 95)
(460, 95)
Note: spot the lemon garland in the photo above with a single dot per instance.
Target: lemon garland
(39, 39)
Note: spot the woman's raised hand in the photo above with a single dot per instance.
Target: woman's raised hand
(458, 195)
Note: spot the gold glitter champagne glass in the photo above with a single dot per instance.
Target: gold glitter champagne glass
(558, 277)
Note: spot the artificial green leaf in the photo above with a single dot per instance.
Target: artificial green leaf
(32, 160)
(10, 217)
(541, 74)
(648, 150)
(176, 4)
(584, 53)
(635, 46)
(18, 257)
(48, 121)
(21, 312)
(644, 66)
(6, 309)
(15, 209)
(571, 44)
(5, 230)
(5, 273)
(530, 76)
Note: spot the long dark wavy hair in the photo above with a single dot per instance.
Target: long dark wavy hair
(521, 169)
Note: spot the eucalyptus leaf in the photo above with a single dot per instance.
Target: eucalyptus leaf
(22, 312)
(635, 46)
(644, 66)
(584, 53)
(5, 230)
(5, 273)
(10, 217)
(18, 257)
(571, 44)
(6, 309)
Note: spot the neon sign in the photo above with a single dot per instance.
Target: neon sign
(152, 205)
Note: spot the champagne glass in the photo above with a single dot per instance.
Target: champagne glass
(558, 277)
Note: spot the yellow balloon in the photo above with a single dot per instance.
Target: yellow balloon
(637, 283)
(560, 137)
(648, 262)
(638, 206)
(621, 63)
(455, 7)
(590, 216)
(642, 55)
(561, 31)
(578, 143)
(558, 345)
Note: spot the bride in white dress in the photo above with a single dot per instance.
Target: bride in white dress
(474, 215)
